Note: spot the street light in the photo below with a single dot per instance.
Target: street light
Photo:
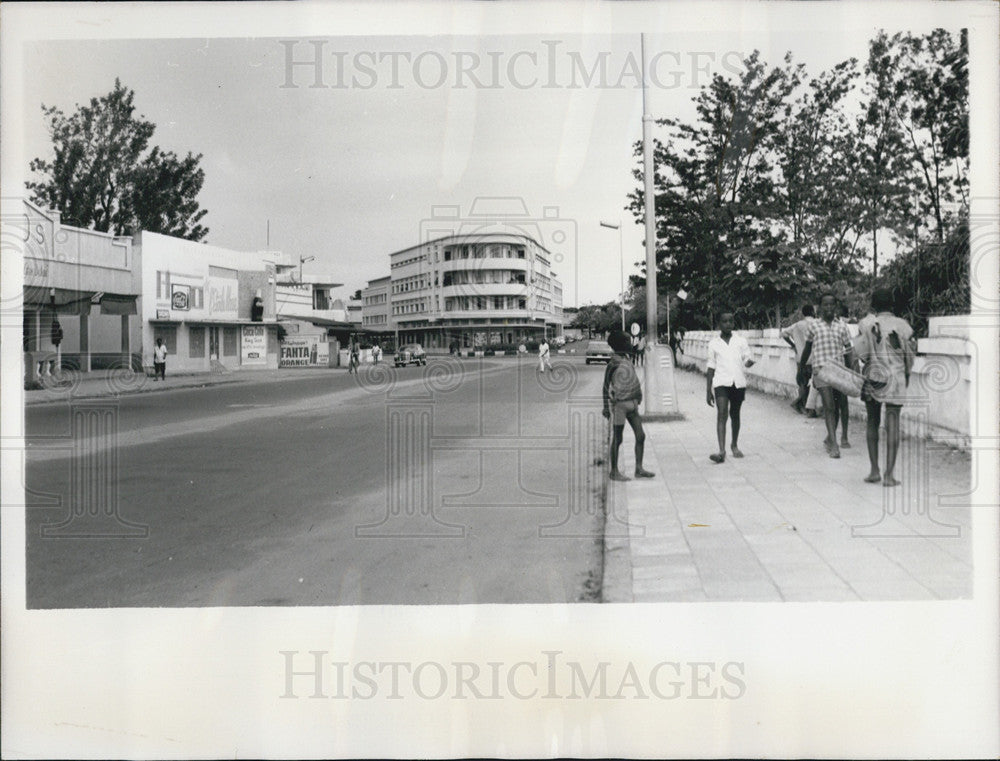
(621, 261)
(303, 260)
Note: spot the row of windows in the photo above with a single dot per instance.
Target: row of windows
(492, 251)
(374, 319)
(415, 283)
(484, 276)
(482, 303)
(409, 307)
(196, 340)
(378, 298)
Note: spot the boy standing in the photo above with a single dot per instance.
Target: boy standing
(828, 341)
(728, 355)
(622, 396)
(796, 336)
(885, 343)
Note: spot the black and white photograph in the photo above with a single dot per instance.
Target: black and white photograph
(457, 379)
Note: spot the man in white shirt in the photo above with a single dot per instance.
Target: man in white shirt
(726, 383)
(543, 356)
(160, 360)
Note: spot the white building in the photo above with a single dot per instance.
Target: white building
(201, 300)
(483, 289)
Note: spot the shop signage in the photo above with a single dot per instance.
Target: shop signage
(162, 314)
(180, 297)
(254, 345)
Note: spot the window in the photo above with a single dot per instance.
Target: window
(169, 335)
(197, 298)
(522, 304)
(163, 286)
(498, 302)
(196, 343)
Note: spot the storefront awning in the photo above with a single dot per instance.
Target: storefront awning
(66, 301)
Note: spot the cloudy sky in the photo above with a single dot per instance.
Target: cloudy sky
(348, 163)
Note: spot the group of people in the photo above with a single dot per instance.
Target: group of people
(876, 354)
(881, 347)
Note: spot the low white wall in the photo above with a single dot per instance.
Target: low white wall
(940, 385)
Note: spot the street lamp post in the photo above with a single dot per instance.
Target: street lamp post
(621, 262)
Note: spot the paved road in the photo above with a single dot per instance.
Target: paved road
(423, 485)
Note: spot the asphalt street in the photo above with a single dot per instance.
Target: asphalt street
(468, 481)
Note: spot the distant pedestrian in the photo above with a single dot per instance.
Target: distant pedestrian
(622, 395)
(828, 342)
(354, 358)
(543, 356)
(726, 382)
(885, 344)
(796, 336)
(376, 353)
(641, 353)
(160, 360)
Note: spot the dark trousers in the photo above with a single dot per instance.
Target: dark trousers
(160, 370)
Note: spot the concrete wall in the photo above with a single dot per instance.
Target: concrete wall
(940, 385)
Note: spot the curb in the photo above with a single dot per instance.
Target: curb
(616, 573)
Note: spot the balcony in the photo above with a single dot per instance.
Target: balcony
(485, 289)
(490, 263)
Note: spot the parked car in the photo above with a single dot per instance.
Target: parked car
(598, 351)
(410, 354)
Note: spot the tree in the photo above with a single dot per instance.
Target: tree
(104, 176)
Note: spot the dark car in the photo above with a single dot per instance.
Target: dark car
(598, 351)
(410, 354)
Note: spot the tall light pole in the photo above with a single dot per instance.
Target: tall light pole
(660, 394)
(621, 262)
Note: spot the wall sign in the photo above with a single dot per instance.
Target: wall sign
(254, 345)
(180, 297)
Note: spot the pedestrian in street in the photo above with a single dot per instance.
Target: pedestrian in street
(622, 395)
(376, 353)
(642, 350)
(726, 382)
(828, 341)
(543, 356)
(354, 361)
(885, 344)
(795, 335)
(160, 360)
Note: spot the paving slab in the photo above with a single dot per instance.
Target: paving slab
(786, 522)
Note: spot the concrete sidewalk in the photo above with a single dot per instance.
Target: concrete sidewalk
(104, 383)
(786, 522)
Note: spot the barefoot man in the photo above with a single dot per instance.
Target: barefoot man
(726, 383)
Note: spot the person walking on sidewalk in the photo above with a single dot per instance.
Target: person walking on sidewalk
(726, 383)
(828, 341)
(160, 360)
(622, 395)
(543, 356)
(795, 335)
(885, 344)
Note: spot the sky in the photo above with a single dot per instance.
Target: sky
(348, 164)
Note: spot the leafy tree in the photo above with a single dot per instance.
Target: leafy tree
(104, 175)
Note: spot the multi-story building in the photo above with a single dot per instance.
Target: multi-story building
(375, 305)
(483, 289)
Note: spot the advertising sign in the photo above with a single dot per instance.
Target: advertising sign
(222, 289)
(180, 297)
(304, 351)
(254, 345)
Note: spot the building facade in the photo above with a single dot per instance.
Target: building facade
(481, 290)
(80, 294)
(214, 308)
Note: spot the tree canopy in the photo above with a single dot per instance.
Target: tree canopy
(785, 185)
(105, 176)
